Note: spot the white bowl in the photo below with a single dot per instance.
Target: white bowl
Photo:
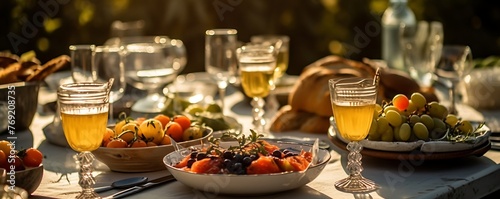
(259, 184)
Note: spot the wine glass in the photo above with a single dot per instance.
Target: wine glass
(353, 102)
(256, 65)
(107, 63)
(220, 58)
(81, 63)
(281, 43)
(421, 46)
(456, 62)
(84, 114)
(150, 64)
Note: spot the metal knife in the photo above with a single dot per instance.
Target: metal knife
(140, 188)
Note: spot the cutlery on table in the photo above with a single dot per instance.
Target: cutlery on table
(122, 184)
(139, 188)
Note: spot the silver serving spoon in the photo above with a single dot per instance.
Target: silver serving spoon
(122, 184)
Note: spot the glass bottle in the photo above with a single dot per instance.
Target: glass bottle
(396, 14)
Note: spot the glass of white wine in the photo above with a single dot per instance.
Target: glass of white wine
(84, 113)
(353, 103)
(257, 65)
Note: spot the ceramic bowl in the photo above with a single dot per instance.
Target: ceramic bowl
(28, 179)
(21, 100)
(143, 159)
(255, 184)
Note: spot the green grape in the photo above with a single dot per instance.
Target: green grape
(388, 135)
(411, 108)
(404, 118)
(414, 119)
(437, 110)
(418, 100)
(427, 121)
(382, 125)
(437, 133)
(395, 130)
(465, 127)
(373, 129)
(394, 118)
(388, 108)
(421, 131)
(439, 124)
(404, 132)
(451, 120)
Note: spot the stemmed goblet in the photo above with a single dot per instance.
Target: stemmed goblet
(353, 102)
(455, 63)
(256, 65)
(220, 58)
(150, 64)
(84, 114)
(107, 63)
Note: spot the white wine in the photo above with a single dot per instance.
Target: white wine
(257, 79)
(353, 121)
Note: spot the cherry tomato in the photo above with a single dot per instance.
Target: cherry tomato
(151, 144)
(151, 130)
(166, 140)
(174, 130)
(163, 119)
(183, 120)
(108, 136)
(117, 143)
(31, 157)
(138, 143)
(3, 159)
(401, 102)
(128, 136)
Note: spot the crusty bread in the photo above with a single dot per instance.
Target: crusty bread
(309, 106)
(13, 69)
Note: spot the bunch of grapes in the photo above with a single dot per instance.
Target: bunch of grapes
(404, 119)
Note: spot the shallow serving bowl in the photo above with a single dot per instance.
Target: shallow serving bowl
(20, 100)
(250, 184)
(143, 159)
(28, 179)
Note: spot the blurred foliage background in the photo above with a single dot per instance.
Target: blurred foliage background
(316, 27)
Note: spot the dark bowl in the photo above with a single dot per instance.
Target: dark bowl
(20, 99)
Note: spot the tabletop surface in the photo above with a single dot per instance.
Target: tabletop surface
(468, 177)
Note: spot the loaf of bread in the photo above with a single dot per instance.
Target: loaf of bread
(28, 68)
(309, 106)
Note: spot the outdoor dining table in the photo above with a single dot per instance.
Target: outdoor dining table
(467, 177)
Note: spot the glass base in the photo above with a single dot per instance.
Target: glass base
(88, 195)
(153, 103)
(356, 184)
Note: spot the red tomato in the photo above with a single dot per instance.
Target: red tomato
(174, 130)
(183, 120)
(31, 157)
(163, 119)
(117, 143)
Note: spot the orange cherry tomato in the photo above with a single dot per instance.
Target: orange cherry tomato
(138, 143)
(183, 120)
(3, 159)
(165, 141)
(163, 119)
(31, 157)
(151, 144)
(174, 130)
(108, 136)
(117, 143)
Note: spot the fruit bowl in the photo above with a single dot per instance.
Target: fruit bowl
(250, 184)
(28, 179)
(143, 159)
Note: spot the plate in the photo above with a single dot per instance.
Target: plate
(434, 150)
(250, 184)
(428, 147)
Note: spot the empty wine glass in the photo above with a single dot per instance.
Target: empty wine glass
(150, 64)
(107, 63)
(421, 46)
(456, 62)
(256, 65)
(353, 102)
(84, 114)
(220, 58)
(81, 63)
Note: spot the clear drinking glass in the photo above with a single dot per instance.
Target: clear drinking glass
(281, 43)
(421, 46)
(455, 63)
(220, 58)
(81, 63)
(84, 114)
(108, 63)
(353, 102)
(257, 65)
(150, 64)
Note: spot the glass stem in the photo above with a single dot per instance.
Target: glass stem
(258, 114)
(354, 158)
(222, 95)
(87, 181)
(452, 108)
